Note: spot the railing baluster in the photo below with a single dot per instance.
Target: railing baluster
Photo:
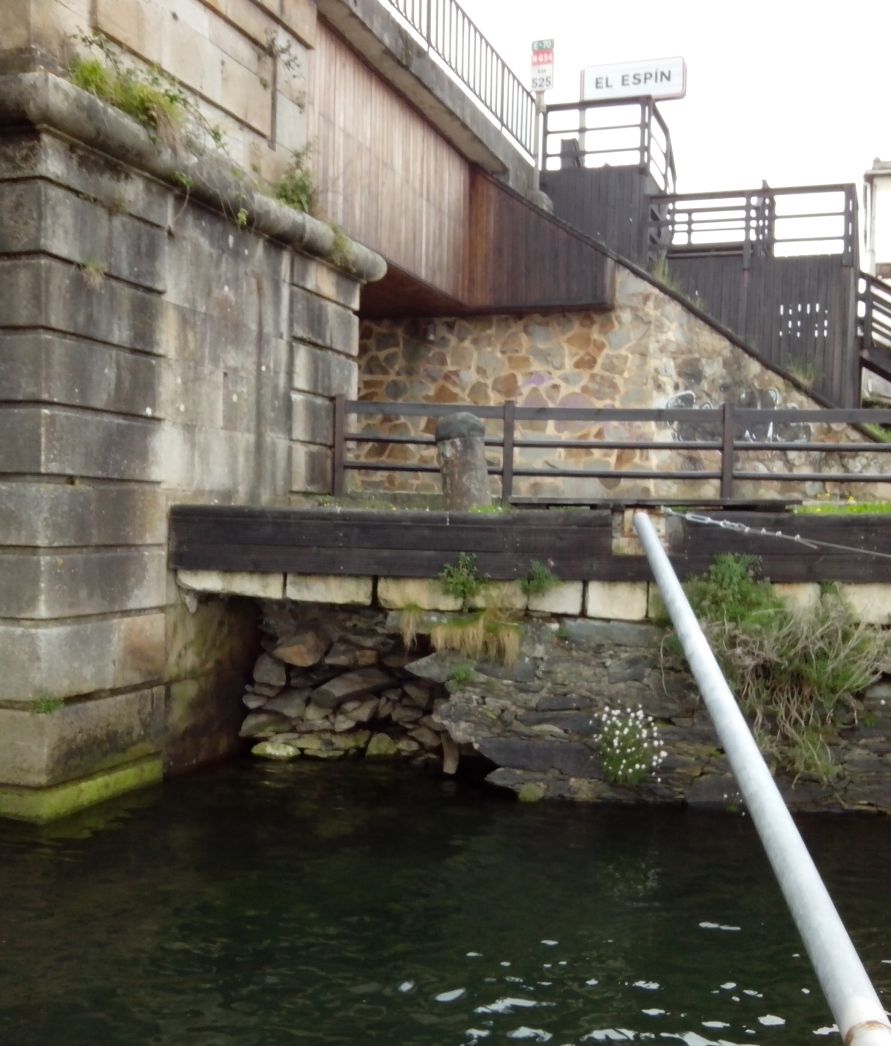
(507, 451)
(338, 456)
(727, 437)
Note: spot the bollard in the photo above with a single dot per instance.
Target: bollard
(461, 451)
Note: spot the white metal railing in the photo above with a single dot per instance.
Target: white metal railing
(856, 1007)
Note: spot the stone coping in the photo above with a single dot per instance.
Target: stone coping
(602, 600)
(42, 99)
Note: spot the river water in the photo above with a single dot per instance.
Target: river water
(256, 903)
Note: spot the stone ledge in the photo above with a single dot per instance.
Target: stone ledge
(42, 99)
(40, 749)
(328, 588)
(616, 600)
(564, 599)
(233, 583)
(395, 593)
(40, 805)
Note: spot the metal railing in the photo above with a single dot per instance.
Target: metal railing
(594, 134)
(856, 1007)
(728, 432)
(449, 32)
(815, 219)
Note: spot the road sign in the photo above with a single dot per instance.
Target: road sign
(657, 78)
(542, 65)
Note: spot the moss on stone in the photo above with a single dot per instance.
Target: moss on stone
(41, 805)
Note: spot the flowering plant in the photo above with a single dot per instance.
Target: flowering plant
(630, 745)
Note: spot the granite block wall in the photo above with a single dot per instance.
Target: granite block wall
(152, 351)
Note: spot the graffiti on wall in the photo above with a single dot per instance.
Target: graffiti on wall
(767, 431)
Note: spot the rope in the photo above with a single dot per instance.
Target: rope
(742, 528)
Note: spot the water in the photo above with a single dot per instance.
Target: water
(256, 904)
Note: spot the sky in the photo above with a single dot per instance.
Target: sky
(797, 93)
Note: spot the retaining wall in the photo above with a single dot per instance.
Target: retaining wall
(650, 351)
(153, 349)
(338, 679)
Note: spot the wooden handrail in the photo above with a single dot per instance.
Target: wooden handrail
(737, 431)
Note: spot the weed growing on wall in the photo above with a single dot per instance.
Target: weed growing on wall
(462, 579)
(296, 188)
(796, 673)
(539, 580)
(46, 705)
(630, 745)
(150, 96)
(489, 633)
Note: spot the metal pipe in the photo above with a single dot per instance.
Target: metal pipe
(856, 1007)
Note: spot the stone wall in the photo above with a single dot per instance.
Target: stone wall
(244, 62)
(152, 350)
(650, 351)
(338, 681)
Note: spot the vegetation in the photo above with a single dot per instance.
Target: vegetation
(487, 633)
(882, 433)
(409, 619)
(94, 272)
(296, 187)
(539, 580)
(149, 96)
(462, 579)
(462, 675)
(796, 673)
(46, 705)
(630, 745)
(846, 508)
(661, 271)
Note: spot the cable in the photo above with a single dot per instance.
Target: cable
(742, 528)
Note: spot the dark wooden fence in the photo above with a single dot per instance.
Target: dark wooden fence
(734, 433)
(778, 267)
(602, 164)
(629, 133)
(874, 325)
(520, 257)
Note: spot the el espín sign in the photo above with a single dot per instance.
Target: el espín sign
(657, 78)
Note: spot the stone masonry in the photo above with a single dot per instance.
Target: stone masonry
(152, 351)
(650, 351)
(337, 680)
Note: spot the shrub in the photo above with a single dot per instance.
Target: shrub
(461, 580)
(540, 579)
(796, 673)
(296, 187)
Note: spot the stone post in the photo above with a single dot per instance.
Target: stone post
(461, 452)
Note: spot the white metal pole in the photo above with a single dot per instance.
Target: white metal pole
(856, 1007)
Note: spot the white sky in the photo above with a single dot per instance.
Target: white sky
(794, 92)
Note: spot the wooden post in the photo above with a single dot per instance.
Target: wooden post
(507, 452)
(338, 478)
(727, 427)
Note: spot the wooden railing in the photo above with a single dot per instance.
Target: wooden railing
(808, 219)
(731, 431)
(592, 134)
(874, 324)
(448, 31)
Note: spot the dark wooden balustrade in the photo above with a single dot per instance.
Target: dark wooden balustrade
(735, 434)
